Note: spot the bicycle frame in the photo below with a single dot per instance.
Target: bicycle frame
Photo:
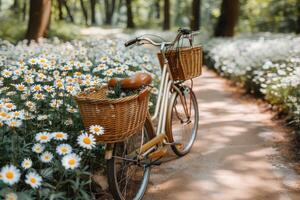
(161, 108)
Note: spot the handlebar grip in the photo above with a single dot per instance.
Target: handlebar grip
(184, 31)
(131, 42)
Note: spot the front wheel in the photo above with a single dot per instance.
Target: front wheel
(128, 179)
(182, 123)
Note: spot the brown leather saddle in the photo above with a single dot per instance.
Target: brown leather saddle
(133, 82)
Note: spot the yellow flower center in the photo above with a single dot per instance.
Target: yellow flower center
(64, 150)
(72, 162)
(33, 180)
(3, 114)
(59, 135)
(87, 140)
(96, 129)
(13, 123)
(9, 105)
(21, 87)
(44, 137)
(9, 175)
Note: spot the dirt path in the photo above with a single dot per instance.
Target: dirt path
(233, 158)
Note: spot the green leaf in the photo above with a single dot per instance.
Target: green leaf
(47, 173)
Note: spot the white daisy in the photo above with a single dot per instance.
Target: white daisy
(14, 123)
(63, 149)
(10, 174)
(26, 163)
(71, 161)
(33, 179)
(38, 148)
(9, 106)
(86, 141)
(11, 196)
(37, 88)
(46, 157)
(96, 129)
(20, 87)
(39, 96)
(59, 135)
(43, 137)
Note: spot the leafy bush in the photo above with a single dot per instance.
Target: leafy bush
(267, 65)
(45, 152)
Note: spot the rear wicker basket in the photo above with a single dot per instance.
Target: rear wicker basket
(185, 63)
(120, 118)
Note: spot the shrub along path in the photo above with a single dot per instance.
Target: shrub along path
(234, 156)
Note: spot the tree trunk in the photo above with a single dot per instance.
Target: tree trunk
(130, 22)
(39, 16)
(196, 15)
(15, 6)
(24, 10)
(64, 2)
(60, 12)
(93, 12)
(84, 12)
(166, 24)
(157, 8)
(228, 18)
(109, 11)
(120, 4)
(298, 17)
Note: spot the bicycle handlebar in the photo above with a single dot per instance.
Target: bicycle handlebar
(144, 40)
(131, 42)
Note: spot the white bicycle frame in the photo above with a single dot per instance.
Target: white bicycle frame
(162, 103)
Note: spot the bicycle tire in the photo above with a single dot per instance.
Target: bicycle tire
(175, 98)
(115, 186)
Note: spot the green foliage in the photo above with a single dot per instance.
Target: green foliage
(268, 15)
(64, 31)
(12, 29)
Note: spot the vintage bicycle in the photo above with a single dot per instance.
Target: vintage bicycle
(133, 143)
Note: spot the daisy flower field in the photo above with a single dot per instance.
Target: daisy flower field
(45, 151)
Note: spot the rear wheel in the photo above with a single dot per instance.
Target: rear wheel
(127, 178)
(183, 119)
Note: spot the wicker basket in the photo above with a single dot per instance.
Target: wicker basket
(120, 118)
(185, 63)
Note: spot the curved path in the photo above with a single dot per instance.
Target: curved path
(234, 157)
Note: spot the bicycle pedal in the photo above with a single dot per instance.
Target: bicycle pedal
(158, 153)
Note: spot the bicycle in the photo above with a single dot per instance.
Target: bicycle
(176, 113)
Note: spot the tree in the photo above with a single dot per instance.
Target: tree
(157, 8)
(228, 18)
(93, 11)
(24, 10)
(196, 15)
(166, 23)
(130, 22)
(39, 18)
(109, 10)
(298, 17)
(60, 12)
(15, 6)
(84, 12)
(64, 2)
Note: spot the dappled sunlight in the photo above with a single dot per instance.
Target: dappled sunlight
(229, 159)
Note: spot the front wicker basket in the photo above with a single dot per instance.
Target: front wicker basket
(185, 63)
(120, 118)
